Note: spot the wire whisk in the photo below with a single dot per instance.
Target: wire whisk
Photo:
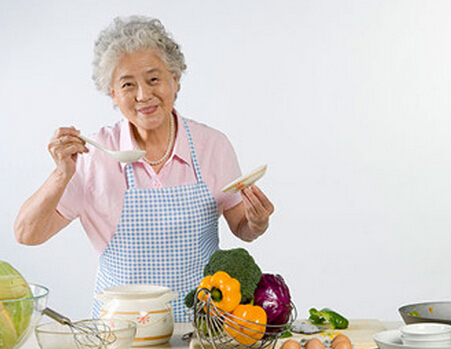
(93, 333)
(220, 330)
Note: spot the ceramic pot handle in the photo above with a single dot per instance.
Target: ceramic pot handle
(102, 297)
(170, 296)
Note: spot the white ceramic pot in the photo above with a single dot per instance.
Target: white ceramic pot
(147, 305)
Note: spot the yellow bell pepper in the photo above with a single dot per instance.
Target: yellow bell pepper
(225, 290)
(248, 324)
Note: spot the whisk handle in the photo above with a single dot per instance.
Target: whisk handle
(56, 316)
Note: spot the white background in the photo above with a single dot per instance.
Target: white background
(347, 101)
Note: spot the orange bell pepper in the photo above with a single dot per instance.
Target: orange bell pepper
(225, 290)
(248, 324)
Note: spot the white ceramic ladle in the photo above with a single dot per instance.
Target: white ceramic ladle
(121, 156)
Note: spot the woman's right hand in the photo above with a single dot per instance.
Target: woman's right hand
(64, 147)
(38, 219)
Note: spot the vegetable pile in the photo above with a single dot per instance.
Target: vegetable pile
(14, 316)
(251, 302)
(239, 264)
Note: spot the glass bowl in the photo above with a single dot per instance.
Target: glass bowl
(94, 333)
(18, 317)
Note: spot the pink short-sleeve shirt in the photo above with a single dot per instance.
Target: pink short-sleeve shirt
(96, 192)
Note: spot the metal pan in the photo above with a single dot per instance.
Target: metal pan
(426, 312)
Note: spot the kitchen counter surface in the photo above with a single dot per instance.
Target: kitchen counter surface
(360, 332)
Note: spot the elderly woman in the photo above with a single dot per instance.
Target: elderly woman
(155, 220)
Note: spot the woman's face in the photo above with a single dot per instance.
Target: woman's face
(144, 89)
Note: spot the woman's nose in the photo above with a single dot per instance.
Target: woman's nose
(144, 93)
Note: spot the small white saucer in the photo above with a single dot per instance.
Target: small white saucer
(245, 181)
(392, 340)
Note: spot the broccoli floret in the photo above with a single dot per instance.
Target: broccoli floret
(239, 264)
(189, 298)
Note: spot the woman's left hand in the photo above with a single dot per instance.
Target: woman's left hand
(257, 209)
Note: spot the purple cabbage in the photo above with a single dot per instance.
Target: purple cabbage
(273, 295)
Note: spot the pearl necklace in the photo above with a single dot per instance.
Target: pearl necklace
(166, 154)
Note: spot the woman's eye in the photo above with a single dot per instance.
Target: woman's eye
(127, 84)
(153, 80)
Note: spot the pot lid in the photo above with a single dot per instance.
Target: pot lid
(136, 291)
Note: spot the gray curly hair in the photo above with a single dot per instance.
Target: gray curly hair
(130, 34)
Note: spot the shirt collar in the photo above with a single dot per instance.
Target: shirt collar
(126, 141)
(181, 145)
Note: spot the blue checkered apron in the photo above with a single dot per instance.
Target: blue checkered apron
(165, 237)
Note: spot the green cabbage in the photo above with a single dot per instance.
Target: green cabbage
(16, 308)
(8, 333)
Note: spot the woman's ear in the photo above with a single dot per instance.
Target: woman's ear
(176, 82)
(113, 95)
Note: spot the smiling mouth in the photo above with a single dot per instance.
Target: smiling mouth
(147, 110)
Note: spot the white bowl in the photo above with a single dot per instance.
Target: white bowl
(391, 339)
(426, 335)
(426, 343)
(425, 331)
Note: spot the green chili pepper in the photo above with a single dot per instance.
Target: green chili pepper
(336, 321)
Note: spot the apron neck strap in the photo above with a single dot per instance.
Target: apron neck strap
(130, 175)
(193, 152)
